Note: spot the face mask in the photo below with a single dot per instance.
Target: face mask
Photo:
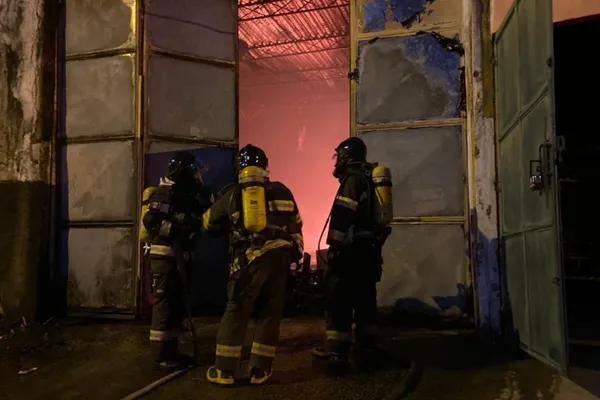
(339, 167)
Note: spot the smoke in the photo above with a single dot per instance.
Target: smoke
(298, 125)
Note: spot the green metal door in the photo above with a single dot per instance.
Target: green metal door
(527, 185)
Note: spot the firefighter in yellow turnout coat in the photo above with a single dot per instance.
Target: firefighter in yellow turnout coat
(264, 226)
(171, 215)
(358, 227)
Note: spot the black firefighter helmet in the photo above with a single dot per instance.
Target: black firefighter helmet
(183, 167)
(350, 151)
(250, 155)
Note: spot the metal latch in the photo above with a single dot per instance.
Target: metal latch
(540, 170)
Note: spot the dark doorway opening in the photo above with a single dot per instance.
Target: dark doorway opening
(577, 85)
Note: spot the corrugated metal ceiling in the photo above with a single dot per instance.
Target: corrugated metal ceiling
(294, 40)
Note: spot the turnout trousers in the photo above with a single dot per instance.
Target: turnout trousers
(168, 309)
(258, 289)
(351, 297)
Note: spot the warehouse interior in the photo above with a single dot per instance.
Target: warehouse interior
(295, 97)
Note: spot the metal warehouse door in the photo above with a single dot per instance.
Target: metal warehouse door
(142, 79)
(407, 100)
(526, 147)
(100, 156)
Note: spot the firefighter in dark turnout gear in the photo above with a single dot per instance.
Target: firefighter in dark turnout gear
(171, 215)
(354, 261)
(265, 230)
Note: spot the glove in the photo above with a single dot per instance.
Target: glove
(333, 257)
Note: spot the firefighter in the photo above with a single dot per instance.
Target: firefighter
(358, 227)
(171, 216)
(265, 230)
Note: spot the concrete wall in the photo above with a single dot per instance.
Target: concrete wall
(26, 127)
(563, 10)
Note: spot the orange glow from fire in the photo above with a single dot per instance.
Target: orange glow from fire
(298, 125)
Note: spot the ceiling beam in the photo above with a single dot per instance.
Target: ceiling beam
(259, 3)
(302, 70)
(294, 12)
(329, 35)
(297, 53)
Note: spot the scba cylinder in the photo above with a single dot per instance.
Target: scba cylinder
(254, 202)
(382, 179)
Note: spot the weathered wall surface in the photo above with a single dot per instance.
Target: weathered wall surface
(26, 127)
(562, 10)
(482, 167)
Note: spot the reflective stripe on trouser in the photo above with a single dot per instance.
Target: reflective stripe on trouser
(168, 308)
(229, 351)
(163, 336)
(264, 280)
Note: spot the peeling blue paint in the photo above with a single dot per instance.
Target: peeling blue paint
(458, 300)
(489, 285)
(378, 12)
(426, 65)
(411, 305)
(407, 11)
(374, 15)
(440, 65)
(488, 277)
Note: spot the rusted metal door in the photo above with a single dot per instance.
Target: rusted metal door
(407, 105)
(528, 182)
(142, 77)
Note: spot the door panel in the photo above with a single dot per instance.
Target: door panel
(99, 156)
(101, 97)
(513, 176)
(430, 86)
(507, 72)
(534, 49)
(187, 74)
(202, 29)
(101, 268)
(544, 296)
(191, 103)
(538, 207)
(95, 25)
(101, 181)
(191, 99)
(427, 167)
(407, 99)
(530, 227)
(516, 282)
(415, 253)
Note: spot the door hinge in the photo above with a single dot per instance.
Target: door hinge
(353, 75)
(549, 62)
(556, 280)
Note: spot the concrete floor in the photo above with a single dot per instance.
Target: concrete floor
(100, 360)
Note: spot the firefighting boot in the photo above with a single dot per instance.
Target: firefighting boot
(258, 376)
(333, 358)
(168, 358)
(219, 377)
